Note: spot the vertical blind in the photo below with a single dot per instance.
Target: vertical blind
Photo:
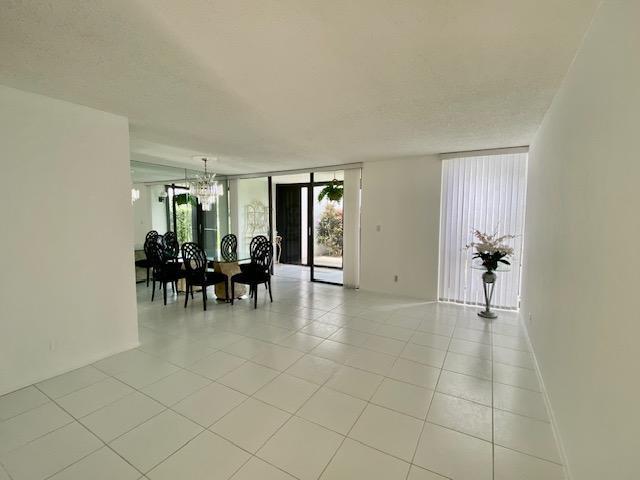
(487, 193)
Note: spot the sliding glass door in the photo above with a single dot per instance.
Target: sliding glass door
(326, 227)
(308, 225)
(182, 213)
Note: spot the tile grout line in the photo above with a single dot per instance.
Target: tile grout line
(493, 412)
(304, 353)
(323, 385)
(349, 431)
(2, 467)
(104, 444)
(291, 415)
(428, 410)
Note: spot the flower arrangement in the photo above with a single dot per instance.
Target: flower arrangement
(491, 249)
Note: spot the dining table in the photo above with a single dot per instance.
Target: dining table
(229, 265)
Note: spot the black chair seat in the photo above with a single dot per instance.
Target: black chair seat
(250, 277)
(210, 278)
(144, 263)
(169, 274)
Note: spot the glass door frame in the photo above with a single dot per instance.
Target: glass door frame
(310, 233)
(310, 225)
(172, 213)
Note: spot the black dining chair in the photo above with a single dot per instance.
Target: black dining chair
(257, 272)
(172, 248)
(165, 270)
(229, 247)
(257, 241)
(146, 262)
(197, 274)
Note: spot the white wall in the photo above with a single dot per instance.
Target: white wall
(582, 263)
(402, 197)
(67, 294)
(247, 191)
(351, 240)
(141, 215)
(148, 213)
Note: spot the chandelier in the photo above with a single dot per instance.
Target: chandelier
(206, 189)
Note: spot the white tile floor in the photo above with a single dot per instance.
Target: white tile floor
(323, 383)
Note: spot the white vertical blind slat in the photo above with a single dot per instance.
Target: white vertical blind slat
(485, 193)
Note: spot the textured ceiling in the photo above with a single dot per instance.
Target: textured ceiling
(278, 84)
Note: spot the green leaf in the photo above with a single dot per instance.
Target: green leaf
(185, 199)
(333, 192)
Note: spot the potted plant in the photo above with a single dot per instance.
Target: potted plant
(333, 191)
(491, 249)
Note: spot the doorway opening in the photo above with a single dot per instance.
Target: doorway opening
(308, 221)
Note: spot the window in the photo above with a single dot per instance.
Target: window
(487, 193)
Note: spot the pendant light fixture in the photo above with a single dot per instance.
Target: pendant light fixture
(205, 188)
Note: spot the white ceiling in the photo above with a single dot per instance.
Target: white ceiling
(280, 84)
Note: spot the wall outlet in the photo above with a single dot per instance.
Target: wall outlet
(395, 278)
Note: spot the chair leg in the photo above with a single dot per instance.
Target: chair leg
(173, 287)
(268, 285)
(147, 276)
(186, 295)
(164, 292)
(226, 290)
(153, 291)
(233, 291)
(191, 292)
(204, 296)
(255, 296)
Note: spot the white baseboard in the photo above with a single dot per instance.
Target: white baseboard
(554, 424)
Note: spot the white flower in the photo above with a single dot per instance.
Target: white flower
(491, 243)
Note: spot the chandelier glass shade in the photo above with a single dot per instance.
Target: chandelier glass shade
(206, 189)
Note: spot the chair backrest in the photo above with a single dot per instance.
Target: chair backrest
(262, 255)
(151, 234)
(256, 242)
(229, 247)
(171, 244)
(156, 253)
(194, 258)
(152, 237)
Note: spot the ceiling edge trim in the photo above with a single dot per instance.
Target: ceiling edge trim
(481, 153)
(327, 168)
